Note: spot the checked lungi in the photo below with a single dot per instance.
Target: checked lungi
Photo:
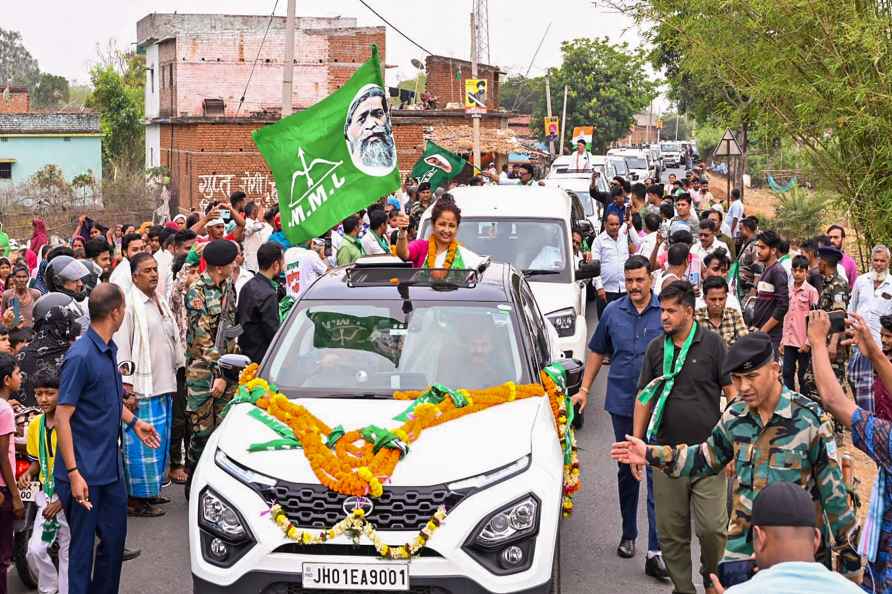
(144, 466)
(861, 378)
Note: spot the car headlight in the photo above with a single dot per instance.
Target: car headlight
(481, 481)
(564, 321)
(219, 517)
(260, 482)
(514, 521)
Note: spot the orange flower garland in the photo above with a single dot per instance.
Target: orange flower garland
(432, 254)
(352, 467)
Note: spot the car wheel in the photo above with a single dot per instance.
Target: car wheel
(556, 568)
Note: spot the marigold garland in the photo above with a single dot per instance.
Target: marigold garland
(356, 525)
(432, 254)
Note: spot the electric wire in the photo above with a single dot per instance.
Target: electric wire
(257, 58)
(395, 28)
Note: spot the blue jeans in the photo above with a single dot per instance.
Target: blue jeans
(628, 491)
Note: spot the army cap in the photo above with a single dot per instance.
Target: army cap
(783, 504)
(220, 252)
(748, 353)
(831, 253)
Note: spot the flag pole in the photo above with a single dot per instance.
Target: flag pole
(563, 119)
(288, 70)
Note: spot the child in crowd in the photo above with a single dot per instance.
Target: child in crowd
(794, 342)
(49, 523)
(19, 339)
(11, 507)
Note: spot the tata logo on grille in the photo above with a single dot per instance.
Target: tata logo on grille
(353, 503)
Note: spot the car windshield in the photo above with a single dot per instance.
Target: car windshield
(636, 163)
(669, 148)
(359, 348)
(619, 164)
(538, 248)
(587, 203)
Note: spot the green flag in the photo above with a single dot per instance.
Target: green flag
(334, 158)
(437, 166)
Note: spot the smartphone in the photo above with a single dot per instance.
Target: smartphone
(224, 214)
(837, 321)
(731, 573)
(17, 311)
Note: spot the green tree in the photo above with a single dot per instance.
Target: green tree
(685, 129)
(607, 85)
(118, 97)
(818, 73)
(50, 92)
(17, 65)
(521, 94)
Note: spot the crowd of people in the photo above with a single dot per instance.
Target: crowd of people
(730, 347)
(753, 335)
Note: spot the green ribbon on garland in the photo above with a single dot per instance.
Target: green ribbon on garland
(558, 375)
(336, 434)
(287, 440)
(434, 395)
(276, 444)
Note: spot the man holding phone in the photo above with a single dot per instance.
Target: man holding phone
(771, 434)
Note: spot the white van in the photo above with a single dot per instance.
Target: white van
(530, 228)
(641, 164)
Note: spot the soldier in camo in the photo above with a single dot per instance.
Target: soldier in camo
(771, 434)
(209, 302)
(833, 297)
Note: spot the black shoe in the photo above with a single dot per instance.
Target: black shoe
(626, 549)
(655, 567)
(130, 554)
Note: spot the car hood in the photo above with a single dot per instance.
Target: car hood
(553, 296)
(461, 448)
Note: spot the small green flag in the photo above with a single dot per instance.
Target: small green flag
(437, 166)
(335, 158)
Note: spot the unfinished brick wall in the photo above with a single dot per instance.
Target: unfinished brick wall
(16, 100)
(167, 58)
(441, 80)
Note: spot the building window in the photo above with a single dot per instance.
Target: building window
(170, 82)
(151, 80)
(5, 170)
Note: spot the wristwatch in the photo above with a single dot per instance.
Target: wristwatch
(133, 421)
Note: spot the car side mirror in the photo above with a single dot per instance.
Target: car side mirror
(574, 369)
(588, 270)
(231, 365)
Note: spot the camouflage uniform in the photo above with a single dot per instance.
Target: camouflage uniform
(204, 307)
(834, 296)
(746, 275)
(795, 446)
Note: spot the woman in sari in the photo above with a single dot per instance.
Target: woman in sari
(442, 249)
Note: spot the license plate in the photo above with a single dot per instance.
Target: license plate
(30, 492)
(368, 576)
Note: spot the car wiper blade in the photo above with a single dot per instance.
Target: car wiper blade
(360, 395)
(537, 272)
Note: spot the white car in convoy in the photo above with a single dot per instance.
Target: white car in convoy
(641, 164)
(530, 228)
(671, 154)
(579, 184)
(352, 338)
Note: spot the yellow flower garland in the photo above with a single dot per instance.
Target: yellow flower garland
(356, 525)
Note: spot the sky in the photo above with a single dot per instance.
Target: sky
(65, 41)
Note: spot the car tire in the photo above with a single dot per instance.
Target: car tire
(556, 567)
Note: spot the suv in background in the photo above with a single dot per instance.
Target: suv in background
(356, 335)
(672, 154)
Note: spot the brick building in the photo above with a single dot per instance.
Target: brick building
(446, 79)
(645, 129)
(198, 127)
(14, 100)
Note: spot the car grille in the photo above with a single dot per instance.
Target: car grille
(398, 508)
(344, 550)
(288, 588)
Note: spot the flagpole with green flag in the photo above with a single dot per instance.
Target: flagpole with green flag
(334, 158)
(437, 166)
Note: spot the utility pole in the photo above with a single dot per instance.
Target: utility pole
(548, 108)
(563, 119)
(288, 70)
(677, 115)
(475, 117)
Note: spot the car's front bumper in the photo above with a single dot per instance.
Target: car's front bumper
(448, 568)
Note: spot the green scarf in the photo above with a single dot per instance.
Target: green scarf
(50, 527)
(663, 385)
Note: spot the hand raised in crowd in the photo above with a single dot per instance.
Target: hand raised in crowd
(8, 317)
(859, 334)
(402, 222)
(818, 327)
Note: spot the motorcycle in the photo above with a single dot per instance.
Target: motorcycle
(25, 526)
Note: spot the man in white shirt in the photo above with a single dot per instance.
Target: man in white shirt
(735, 214)
(649, 241)
(582, 159)
(612, 249)
(164, 258)
(708, 242)
(303, 267)
(375, 242)
(871, 298)
(131, 244)
(257, 232)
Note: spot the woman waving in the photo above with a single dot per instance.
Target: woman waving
(442, 249)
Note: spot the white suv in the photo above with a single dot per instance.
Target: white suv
(353, 338)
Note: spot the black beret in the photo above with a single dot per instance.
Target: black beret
(220, 252)
(783, 504)
(748, 353)
(830, 252)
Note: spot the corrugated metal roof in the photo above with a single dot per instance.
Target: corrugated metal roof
(36, 123)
